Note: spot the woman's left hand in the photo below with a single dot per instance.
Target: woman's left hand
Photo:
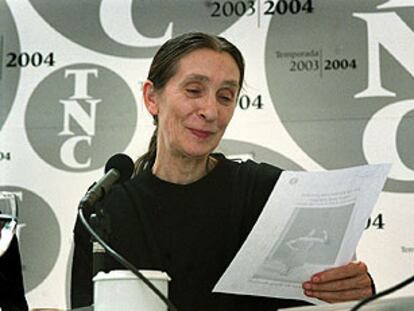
(344, 283)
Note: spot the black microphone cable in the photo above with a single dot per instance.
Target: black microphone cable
(125, 262)
(383, 293)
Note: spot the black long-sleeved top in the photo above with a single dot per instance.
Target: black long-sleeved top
(190, 231)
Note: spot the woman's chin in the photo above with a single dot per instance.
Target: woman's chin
(198, 153)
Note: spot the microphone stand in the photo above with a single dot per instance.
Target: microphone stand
(383, 293)
(100, 222)
(117, 256)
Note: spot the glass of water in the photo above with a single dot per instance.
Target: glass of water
(8, 207)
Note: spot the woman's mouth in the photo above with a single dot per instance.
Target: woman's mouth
(200, 133)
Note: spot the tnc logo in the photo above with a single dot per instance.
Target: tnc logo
(9, 76)
(79, 116)
(387, 30)
(73, 110)
(343, 117)
(129, 28)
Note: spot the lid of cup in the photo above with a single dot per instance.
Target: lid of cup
(126, 274)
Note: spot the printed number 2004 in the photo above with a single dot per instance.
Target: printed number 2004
(24, 59)
(329, 64)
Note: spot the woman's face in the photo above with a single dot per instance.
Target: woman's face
(197, 103)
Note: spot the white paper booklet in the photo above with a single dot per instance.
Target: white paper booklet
(312, 221)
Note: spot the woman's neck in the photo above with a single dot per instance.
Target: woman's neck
(182, 170)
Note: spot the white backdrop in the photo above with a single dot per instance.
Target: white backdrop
(328, 85)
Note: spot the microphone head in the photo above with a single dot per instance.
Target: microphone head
(123, 164)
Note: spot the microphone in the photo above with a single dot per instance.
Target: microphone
(119, 168)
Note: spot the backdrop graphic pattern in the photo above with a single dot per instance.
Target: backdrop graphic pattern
(328, 85)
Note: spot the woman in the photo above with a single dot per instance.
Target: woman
(187, 211)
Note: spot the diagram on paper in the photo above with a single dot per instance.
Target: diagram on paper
(312, 237)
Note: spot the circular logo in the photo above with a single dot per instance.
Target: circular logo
(339, 80)
(39, 236)
(9, 71)
(79, 116)
(135, 28)
(293, 181)
(242, 150)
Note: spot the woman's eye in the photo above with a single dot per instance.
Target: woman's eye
(226, 98)
(193, 92)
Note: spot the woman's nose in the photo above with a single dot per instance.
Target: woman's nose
(208, 109)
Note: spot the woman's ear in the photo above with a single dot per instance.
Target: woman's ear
(150, 97)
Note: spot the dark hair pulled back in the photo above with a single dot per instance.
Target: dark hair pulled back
(164, 66)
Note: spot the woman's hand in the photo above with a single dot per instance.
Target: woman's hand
(344, 283)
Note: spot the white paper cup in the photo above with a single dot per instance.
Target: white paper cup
(122, 290)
